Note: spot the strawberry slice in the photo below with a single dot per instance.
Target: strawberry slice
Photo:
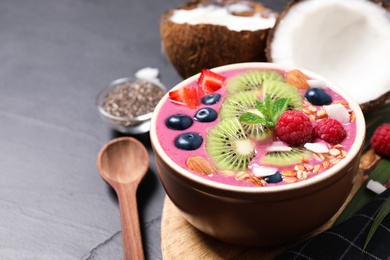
(177, 96)
(187, 96)
(210, 81)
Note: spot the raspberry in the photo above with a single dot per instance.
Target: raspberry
(330, 130)
(294, 128)
(380, 140)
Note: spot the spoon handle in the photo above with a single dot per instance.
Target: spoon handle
(131, 233)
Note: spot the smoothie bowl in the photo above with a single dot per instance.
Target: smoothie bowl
(257, 154)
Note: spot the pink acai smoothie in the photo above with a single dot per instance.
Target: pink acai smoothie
(321, 154)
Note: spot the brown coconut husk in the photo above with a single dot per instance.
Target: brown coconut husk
(366, 107)
(193, 47)
(372, 105)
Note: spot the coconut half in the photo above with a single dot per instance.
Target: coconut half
(207, 34)
(347, 41)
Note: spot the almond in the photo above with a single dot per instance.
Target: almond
(297, 79)
(201, 165)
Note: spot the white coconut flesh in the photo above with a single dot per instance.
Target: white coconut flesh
(224, 16)
(346, 41)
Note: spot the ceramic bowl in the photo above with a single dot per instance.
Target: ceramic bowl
(126, 125)
(259, 216)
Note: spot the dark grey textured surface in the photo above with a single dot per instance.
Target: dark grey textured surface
(54, 57)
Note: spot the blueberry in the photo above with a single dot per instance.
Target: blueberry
(274, 178)
(189, 141)
(179, 122)
(206, 114)
(318, 97)
(211, 99)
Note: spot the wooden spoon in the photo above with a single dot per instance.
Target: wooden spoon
(123, 162)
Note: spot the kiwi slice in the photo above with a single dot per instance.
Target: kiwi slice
(228, 146)
(284, 158)
(277, 89)
(237, 104)
(251, 80)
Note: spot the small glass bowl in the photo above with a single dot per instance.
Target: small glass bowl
(135, 125)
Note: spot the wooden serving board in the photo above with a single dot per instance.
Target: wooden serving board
(180, 240)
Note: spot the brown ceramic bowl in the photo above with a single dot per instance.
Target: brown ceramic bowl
(258, 216)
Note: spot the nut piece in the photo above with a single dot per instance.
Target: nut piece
(297, 79)
(317, 168)
(334, 151)
(200, 165)
(258, 182)
(290, 179)
(242, 175)
(387, 184)
(302, 175)
(326, 164)
(227, 173)
(289, 173)
(321, 114)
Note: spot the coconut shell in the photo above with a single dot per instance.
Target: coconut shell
(366, 107)
(271, 34)
(372, 105)
(193, 47)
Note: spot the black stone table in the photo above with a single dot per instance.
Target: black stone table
(54, 58)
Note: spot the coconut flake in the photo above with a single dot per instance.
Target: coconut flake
(375, 186)
(263, 171)
(316, 83)
(317, 147)
(219, 15)
(149, 74)
(338, 112)
(278, 146)
(239, 8)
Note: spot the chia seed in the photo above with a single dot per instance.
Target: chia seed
(133, 99)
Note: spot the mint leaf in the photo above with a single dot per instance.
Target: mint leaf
(262, 108)
(251, 118)
(270, 110)
(279, 106)
(270, 123)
